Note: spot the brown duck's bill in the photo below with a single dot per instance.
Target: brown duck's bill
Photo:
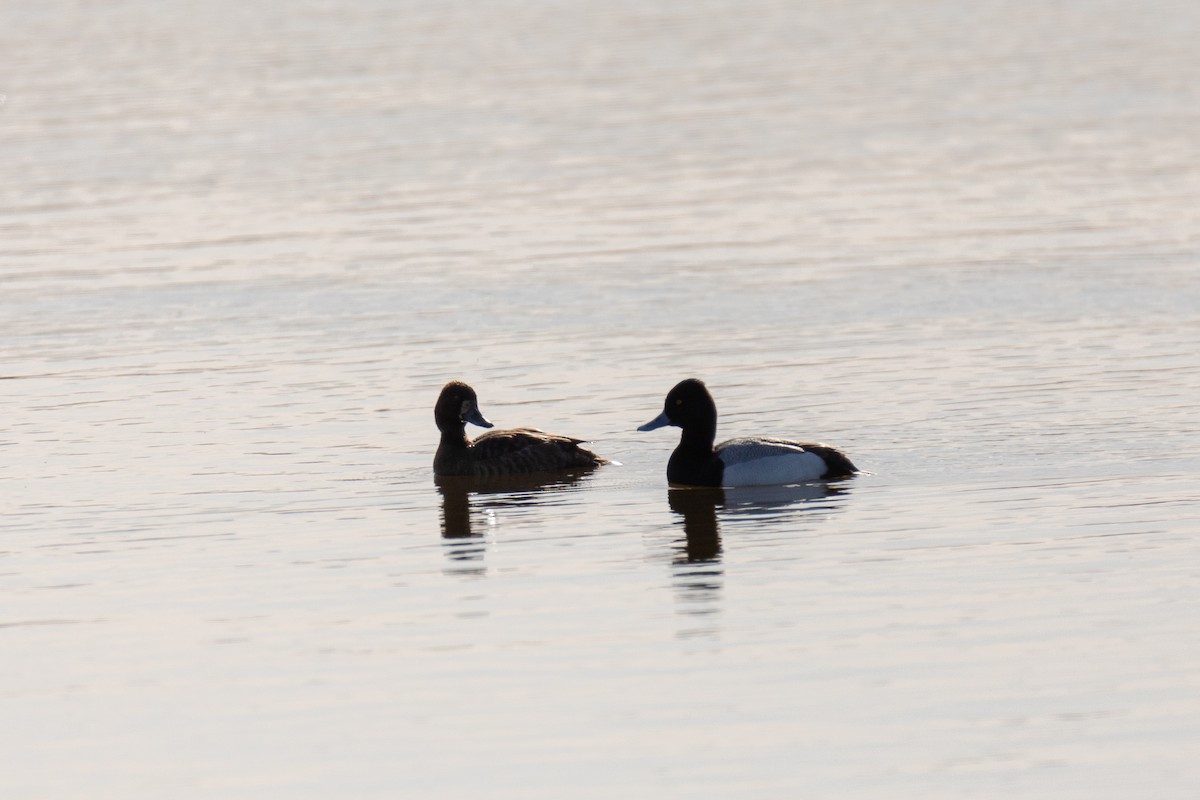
(476, 418)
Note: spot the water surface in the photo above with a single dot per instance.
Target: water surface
(243, 246)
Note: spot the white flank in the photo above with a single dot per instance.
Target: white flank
(759, 462)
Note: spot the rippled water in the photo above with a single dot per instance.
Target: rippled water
(243, 245)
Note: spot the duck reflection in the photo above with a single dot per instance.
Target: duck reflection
(696, 565)
(769, 502)
(462, 542)
(698, 507)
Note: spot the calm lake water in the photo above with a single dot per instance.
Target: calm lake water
(243, 245)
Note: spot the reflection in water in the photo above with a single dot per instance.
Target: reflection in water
(696, 566)
(462, 543)
(777, 502)
(698, 507)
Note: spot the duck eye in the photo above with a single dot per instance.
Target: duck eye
(678, 401)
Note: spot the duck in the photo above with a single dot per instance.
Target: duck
(500, 452)
(746, 461)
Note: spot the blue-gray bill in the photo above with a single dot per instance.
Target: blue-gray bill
(475, 417)
(658, 422)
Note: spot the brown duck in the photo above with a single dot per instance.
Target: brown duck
(507, 452)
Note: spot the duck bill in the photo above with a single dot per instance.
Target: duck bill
(660, 421)
(476, 418)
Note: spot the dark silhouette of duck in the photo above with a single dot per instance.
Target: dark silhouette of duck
(746, 461)
(505, 452)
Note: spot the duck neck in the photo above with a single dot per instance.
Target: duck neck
(698, 439)
(454, 437)
(453, 449)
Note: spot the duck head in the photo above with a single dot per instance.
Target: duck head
(688, 405)
(456, 406)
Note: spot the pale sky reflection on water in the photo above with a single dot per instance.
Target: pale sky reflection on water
(243, 246)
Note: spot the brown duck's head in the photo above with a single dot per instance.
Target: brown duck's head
(456, 406)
